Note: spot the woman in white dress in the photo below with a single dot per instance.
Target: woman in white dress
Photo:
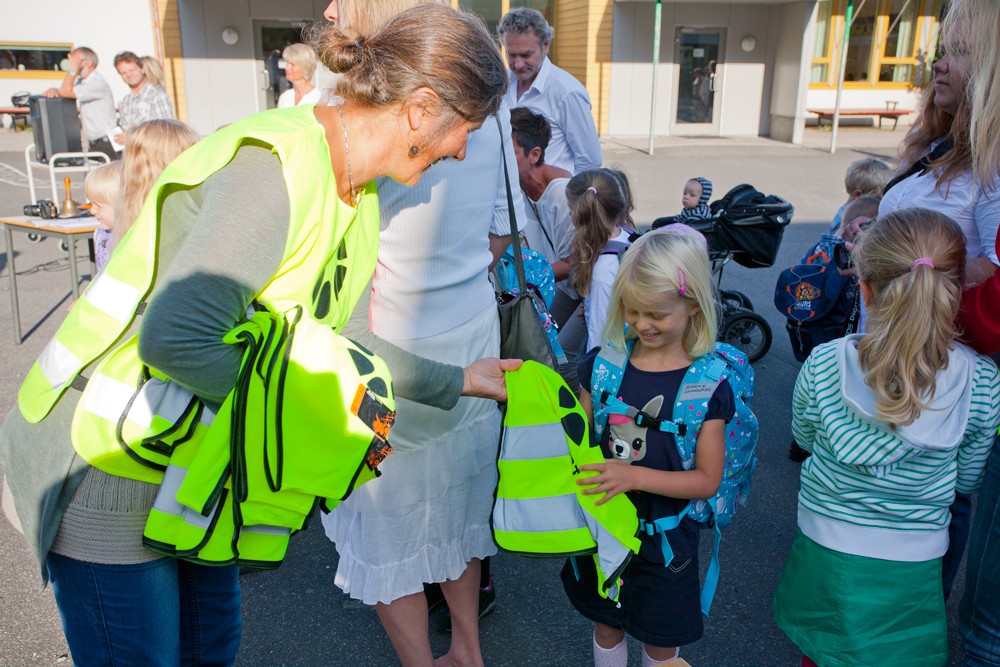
(300, 65)
(426, 518)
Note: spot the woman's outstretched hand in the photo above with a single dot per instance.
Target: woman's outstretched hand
(483, 378)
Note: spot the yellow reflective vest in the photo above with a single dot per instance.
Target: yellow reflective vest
(131, 420)
(540, 510)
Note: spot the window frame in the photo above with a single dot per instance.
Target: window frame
(34, 73)
(926, 19)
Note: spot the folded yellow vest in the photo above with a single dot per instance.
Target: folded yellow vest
(539, 509)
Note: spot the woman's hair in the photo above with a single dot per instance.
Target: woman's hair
(103, 185)
(430, 45)
(154, 71)
(911, 320)
(363, 17)
(973, 27)
(660, 262)
(303, 56)
(598, 201)
(934, 123)
(149, 148)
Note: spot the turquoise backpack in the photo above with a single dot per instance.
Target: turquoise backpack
(697, 388)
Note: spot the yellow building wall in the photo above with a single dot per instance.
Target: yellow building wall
(168, 26)
(582, 47)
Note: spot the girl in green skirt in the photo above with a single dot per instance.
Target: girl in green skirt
(897, 419)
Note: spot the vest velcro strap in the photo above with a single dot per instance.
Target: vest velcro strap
(79, 383)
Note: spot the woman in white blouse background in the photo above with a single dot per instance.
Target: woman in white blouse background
(300, 65)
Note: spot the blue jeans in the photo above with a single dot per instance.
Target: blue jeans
(166, 612)
(979, 613)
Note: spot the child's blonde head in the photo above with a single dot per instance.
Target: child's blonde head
(149, 148)
(103, 185)
(913, 262)
(599, 201)
(867, 176)
(660, 262)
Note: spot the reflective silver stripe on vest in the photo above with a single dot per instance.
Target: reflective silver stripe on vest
(58, 364)
(528, 443)
(535, 515)
(611, 553)
(113, 297)
(166, 500)
(108, 398)
(266, 530)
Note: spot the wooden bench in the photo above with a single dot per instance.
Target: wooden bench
(20, 116)
(894, 114)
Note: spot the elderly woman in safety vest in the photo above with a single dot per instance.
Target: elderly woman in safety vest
(180, 359)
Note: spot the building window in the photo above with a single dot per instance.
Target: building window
(16, 58)
(493, 10)
(888, 47)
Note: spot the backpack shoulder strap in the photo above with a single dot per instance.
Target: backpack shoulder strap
(605, 379)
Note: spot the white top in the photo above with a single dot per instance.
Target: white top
(549, 216)
(97, 106)
(598, 302)
(287, 98)
(557, 95)
(975, 211)
(434, 256)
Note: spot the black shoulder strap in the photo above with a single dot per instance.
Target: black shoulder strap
(922, 164)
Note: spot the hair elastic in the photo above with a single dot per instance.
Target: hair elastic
(592, 189)
(681, 282)
(923, 261)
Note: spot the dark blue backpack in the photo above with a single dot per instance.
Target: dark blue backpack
(814, 298)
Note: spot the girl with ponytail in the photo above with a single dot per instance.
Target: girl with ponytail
(897, 420)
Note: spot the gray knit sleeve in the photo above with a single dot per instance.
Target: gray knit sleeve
(413, 377)
(220, 245)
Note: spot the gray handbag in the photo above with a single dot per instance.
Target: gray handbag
(521, 333)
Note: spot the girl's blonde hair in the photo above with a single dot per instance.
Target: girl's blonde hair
(660, 262)
(303, 56)
(973, 27)
(599, 202)
(103, 185)
(152, 69)
(911, 321)
(149, 148)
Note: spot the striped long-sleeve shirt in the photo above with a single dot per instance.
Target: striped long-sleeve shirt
(879, 492)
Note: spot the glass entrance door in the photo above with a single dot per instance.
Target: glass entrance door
(271, 38)
(698, 54)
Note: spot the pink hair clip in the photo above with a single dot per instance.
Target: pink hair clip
(923, 261)
(681, 282)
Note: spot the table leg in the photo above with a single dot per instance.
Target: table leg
(73, 273)
(15, 311)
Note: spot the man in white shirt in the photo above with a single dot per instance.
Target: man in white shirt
(539, 85)
(144, 101)
(93, 97)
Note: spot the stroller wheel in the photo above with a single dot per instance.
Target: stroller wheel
(748, 332)
(33, 237)
(734, 299)
(64, 245)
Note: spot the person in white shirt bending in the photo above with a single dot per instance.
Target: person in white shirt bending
(539, 85)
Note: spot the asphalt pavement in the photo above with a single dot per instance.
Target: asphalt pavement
(295, 615)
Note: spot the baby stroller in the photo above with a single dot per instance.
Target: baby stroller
(746, 227)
